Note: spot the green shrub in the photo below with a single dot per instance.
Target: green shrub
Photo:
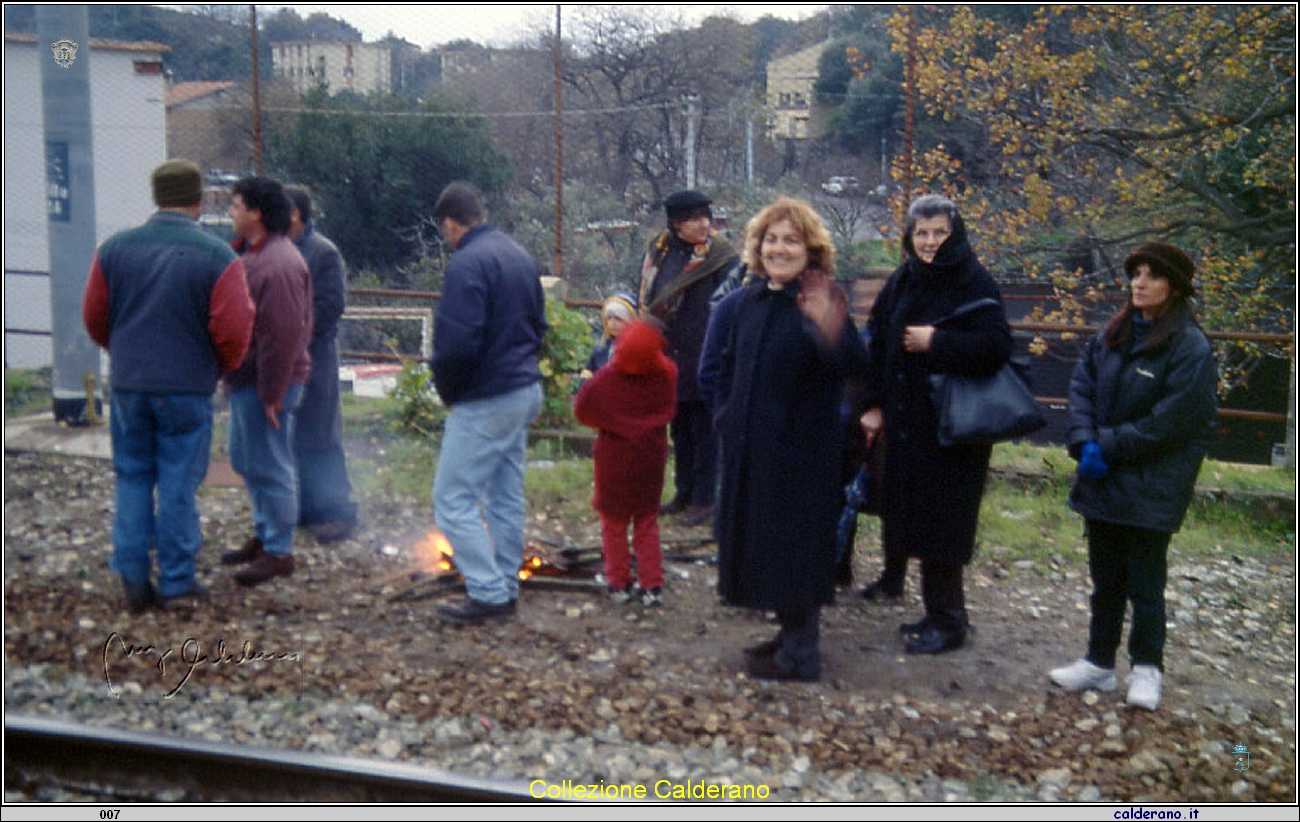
(418, 410)
(564, 351)
(26, 392)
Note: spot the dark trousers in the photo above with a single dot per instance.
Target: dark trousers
(1127, 564)
(943, 594)
(695, 454)
(324, 491)
(893, 574)
(800, 642)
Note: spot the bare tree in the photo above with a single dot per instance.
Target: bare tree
(630, 74)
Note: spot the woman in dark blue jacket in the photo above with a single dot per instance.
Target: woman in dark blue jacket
(1142, 403)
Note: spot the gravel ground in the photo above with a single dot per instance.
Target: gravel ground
(345, 657)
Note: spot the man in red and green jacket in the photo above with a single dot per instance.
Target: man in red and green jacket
(171, 305)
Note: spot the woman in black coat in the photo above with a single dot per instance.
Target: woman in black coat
(790, 347)
(930, 496)
(1142, 403)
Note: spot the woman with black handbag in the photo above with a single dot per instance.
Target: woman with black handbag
(930, 494)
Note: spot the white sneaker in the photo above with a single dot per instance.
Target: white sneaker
(622, 596)
(1082, 675)
(1144, 687)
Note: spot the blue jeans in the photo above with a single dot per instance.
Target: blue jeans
(263, 456)
(159, 441)
(478, 491)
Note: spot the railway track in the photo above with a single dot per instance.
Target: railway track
(47, 757)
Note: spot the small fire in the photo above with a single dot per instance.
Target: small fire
(433, 552)
(531, 566)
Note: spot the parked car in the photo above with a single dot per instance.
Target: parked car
(840, 185)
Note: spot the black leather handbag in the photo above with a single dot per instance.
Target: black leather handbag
(984, 410)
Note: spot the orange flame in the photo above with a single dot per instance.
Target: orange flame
(531, 566)
(433, 553)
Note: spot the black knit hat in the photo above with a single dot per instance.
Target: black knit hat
(1166, 261)
(177, 183)
(684, 204)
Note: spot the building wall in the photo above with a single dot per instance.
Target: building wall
(792, 109)
(129, 139)
(213, 130)
(359, 67)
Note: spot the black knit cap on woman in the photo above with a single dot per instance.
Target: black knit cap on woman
(1173, 264)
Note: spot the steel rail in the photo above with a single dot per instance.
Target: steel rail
(125, 765)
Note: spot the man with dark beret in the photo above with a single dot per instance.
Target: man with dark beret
(683, 266)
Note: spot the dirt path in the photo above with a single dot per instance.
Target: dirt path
(574, 660)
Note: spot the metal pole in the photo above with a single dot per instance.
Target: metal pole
(692, 112)
(257, 92)
(749, 149)
(559, 150)
(70, 202)
(909, 117)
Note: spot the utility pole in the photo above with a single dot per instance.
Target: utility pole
(749, 149)
(691, 111)
(559, 150)
(69, 203)
(257, 93)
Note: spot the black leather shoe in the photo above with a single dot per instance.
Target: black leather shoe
(471, 612)
(914, 628)
(936, 641)
(140, 596)
(763, 649)
(876, 592)
(766, 667)
(697, 515)
(249, 551)
(332, 531)
(677, 506)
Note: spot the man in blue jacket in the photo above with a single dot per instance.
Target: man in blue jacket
(487, 333)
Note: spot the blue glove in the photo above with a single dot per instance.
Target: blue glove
(1091, 464)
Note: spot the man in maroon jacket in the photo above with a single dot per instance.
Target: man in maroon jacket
(171, 305)
(267, 389)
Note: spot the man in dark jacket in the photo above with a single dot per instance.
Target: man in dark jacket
(489, 327)
(266, 390)
(324, 493)
(683, 266)
(171, 305)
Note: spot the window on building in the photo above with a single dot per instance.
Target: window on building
(148, 67)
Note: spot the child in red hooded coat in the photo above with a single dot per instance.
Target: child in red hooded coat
(630, 402)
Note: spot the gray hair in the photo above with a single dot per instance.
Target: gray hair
(928, 206)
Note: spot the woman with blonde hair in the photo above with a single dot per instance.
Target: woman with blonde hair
(788, 352)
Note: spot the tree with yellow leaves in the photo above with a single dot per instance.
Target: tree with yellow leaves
(1108, 126)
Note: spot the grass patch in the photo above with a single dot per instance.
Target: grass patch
(1025, 513)
(1029, 517)
(397, 466)
(27, 392)
(1020, 521)
(1052, 461)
